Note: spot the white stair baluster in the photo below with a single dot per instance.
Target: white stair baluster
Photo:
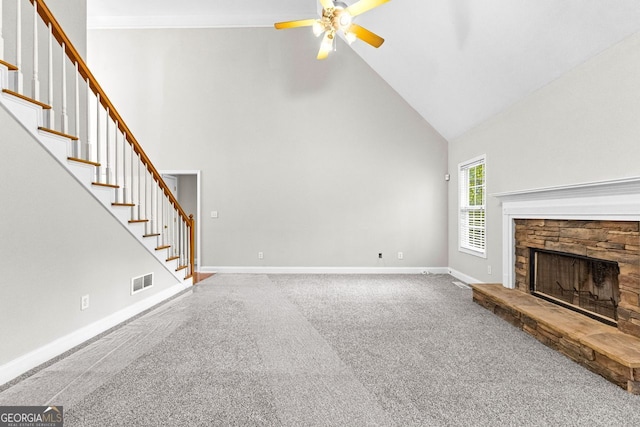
(147, 204)
(187, 248)
(163, 218)
(139, 160)
(19, 77)
(156, 206)
(177, 235)
(125, 181)
(165, 225)
(171, 230)
(108, 148)
(51, 113)
(116, 169)
(186, 243)
(176, 242)
(182, 241)
(172, 241)
(132, 192)
(36, 82)
(98, 153)
(88, 149)
(77, 145)
(65, 117)
(152, 218)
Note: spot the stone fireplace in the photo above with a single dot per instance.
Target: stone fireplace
(571, 274)
(598, 223)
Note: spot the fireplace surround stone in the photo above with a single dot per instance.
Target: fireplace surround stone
(617, 241)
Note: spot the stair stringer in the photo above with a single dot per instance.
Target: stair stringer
(31, 117)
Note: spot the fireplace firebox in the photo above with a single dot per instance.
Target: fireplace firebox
(583, 284)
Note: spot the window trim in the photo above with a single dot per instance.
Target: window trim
(463, 185)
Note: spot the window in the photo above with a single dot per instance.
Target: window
(471, 222)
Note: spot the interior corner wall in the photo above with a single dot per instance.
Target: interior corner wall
(581, 128)
(314, 163)
(57, 244)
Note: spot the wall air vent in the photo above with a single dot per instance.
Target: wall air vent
(141, 283)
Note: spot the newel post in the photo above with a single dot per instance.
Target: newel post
(192, 234)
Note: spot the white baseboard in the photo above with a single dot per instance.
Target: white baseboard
(461, 276)
(325, 270)
(55, 348)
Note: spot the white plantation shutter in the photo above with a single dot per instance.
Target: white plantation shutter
(472, 219)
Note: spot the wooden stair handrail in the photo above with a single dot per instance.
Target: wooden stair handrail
(74, 56)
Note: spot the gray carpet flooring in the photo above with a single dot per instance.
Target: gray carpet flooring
(323, 350)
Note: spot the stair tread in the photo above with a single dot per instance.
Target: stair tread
(181, 267)
(102, 184)
(88, 162)
(151, 235)
(123, 204)
(134, 221)
(26, 98)
(11, 67)
(172, 258)
(159, 248)
(55, 132)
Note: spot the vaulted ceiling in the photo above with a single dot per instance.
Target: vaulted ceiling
(457, 62)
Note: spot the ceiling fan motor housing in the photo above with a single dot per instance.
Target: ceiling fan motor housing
(336, 18)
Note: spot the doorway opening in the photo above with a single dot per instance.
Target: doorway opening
(186, 187)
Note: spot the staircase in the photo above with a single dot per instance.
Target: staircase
(68, 113)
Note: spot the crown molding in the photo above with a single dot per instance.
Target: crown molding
(184, 21)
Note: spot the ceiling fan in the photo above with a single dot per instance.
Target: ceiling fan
(336, 17)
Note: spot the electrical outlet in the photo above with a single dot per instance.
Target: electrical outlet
(380, 255)
(488, 269)
(400, 255)
(214, 214)
(84, 302)
(260, 255)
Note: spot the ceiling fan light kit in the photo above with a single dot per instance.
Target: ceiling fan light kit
(337, 18)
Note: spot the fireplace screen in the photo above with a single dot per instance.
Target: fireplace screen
(583, 284)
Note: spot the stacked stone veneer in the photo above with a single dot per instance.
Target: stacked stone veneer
(617, 241)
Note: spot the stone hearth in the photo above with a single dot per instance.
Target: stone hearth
(601, 348)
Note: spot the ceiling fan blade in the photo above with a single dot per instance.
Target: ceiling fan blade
(362, 6)
(294, 24)
(326, 4)
(326, 45)
(366, 35)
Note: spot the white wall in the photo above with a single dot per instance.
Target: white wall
(583, 127)
(314, 163)
(57, 243)
(72, 16)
